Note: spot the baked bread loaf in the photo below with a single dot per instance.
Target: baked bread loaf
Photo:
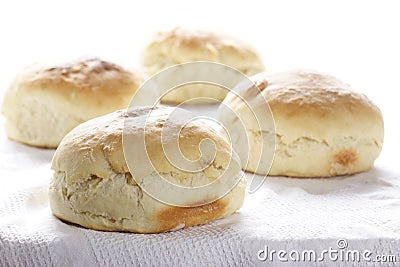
(322, 127)
(44, 103)
(183, 45)
(93, 185)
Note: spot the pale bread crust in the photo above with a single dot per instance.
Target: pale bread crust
(92, 185)
(58, 98)
(182, 45)
(323, 127)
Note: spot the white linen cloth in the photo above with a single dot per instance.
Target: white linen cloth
(284, 214)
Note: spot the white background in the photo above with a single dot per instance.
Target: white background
(357, 41)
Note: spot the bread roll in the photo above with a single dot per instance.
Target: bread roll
(93, 185)
(44, 103)
(323, 127)
(183, 45)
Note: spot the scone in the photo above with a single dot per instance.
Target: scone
(101, 184)
(322, 127)
(183, 45)
(44, 103)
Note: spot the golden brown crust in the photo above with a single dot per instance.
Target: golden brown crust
(345, 157)
(170, 217)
